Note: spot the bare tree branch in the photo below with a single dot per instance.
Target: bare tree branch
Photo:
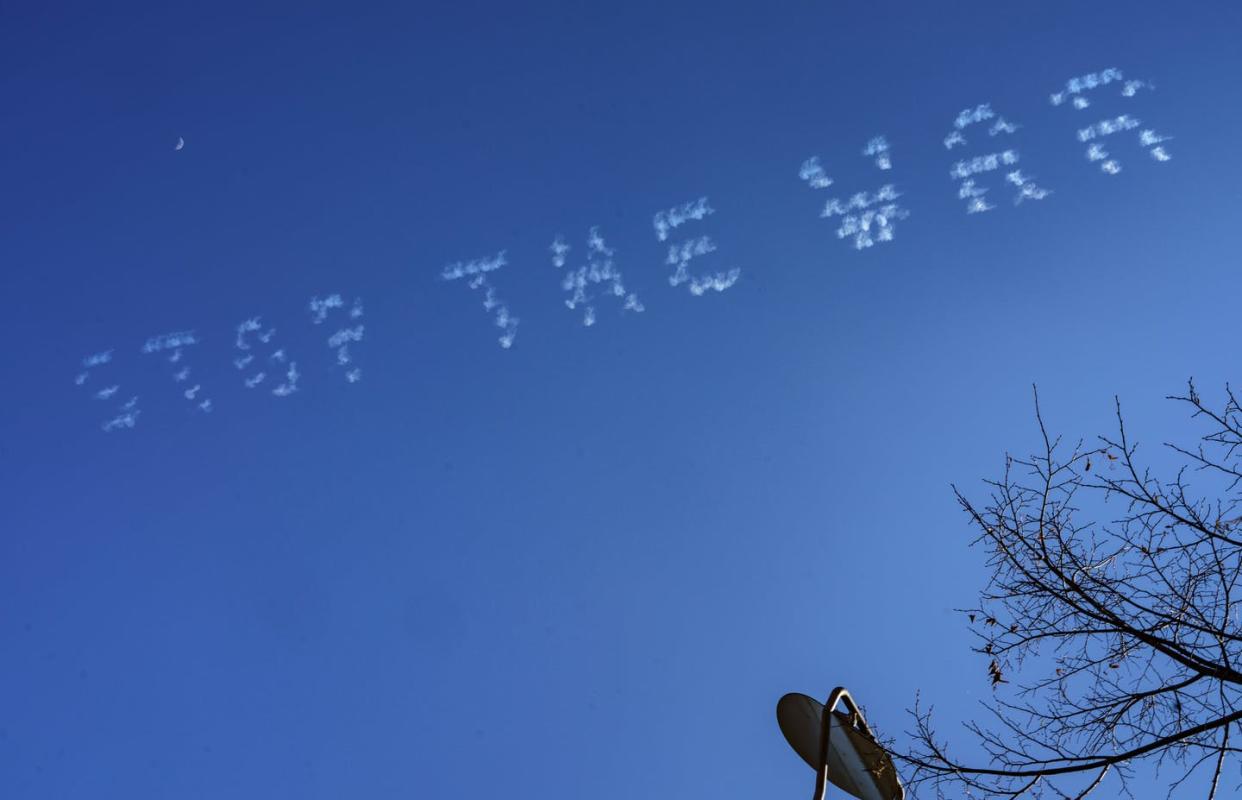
(1108, 643)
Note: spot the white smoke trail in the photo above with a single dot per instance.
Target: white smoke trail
(717, 283)
(1077, 88)
(247, 327)
(1002, 126)
(859, 201)
(89, 363)
(954, 139)
(507, 323)
(680, 255)
(290, 384)
(319, 308)
(813, 173)
(877, 221)
(1085, 83)
(1027, 188)
(127, 419)
(176, 342)
(971, 116)
(340, 340)
(98, 359)
(167, 341)
(1107, 127)
(969, 190)
(972, 193)
(878, 148)
(254, 325)
(596, 243)
(478, 271)
(598, 276)
(478, 266)
(869, 217)
(1149, 137)
(560, 250)
(985, 163)
(127, 416)
(345, 336)
(978, 205)
(665, 221)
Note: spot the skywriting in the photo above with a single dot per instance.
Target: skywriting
(987, 169)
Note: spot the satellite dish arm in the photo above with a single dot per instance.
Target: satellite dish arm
(838, 695)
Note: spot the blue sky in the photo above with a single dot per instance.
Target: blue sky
(587, 565)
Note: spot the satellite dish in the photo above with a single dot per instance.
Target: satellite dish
(855, 763)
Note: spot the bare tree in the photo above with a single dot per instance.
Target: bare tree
(1112, 643)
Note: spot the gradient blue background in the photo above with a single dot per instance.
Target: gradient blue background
(588, 566)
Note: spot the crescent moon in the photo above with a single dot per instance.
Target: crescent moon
(180, 143)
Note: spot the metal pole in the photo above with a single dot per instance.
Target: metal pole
(838, 695)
